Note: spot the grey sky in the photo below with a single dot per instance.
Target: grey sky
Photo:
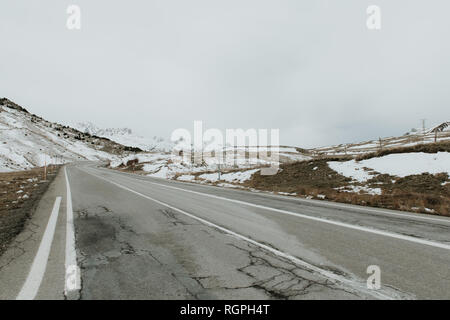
(308, 67)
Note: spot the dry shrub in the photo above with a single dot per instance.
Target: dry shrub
(132, 162)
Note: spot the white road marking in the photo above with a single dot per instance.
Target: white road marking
(336, 223)
(351, 282)
(320, 203)
(415, 216)
(31, 286)
(72, 274)
(324, 220)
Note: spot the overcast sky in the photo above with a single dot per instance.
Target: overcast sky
(308, 67)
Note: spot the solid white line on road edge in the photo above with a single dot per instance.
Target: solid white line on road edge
(31, 286)
(352, 283)
(316, 203)
(324, 220)
(336, 223)
(72, 278)
(377, 211)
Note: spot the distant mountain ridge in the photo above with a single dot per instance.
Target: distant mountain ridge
(126, 137)
(92, 129)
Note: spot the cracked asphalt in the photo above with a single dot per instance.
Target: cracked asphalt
(144, 238)
(184, 259)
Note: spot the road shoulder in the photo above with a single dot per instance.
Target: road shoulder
(16, 261)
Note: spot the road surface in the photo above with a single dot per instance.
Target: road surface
(134, 237)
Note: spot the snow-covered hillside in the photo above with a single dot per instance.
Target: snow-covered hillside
(126, 137)
(411, 138)
(27, 141)
(399, 165)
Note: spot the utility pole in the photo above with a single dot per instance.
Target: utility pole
(235, 155)
(45, 168)
(218, 170)
(247, 154)
(423, 130)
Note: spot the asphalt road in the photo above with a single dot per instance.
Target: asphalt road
(144, 238)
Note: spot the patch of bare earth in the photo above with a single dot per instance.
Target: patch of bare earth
(19, 194)
(132, 166)
(303, 178)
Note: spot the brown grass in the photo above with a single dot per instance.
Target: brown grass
(19, 193)
(300, 177)
(412, 193)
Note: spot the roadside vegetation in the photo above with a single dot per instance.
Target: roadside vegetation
(422, 193)
(320, 178)
(426, 148)
(19, 195)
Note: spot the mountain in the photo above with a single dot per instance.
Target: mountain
(125, 136)
(27, 141)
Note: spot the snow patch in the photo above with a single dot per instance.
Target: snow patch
(360, 189)
(238, 176)
(399, 164)
(186, 177)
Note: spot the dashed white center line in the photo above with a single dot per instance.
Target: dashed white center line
(31, 286)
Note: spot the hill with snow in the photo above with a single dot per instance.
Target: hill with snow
(126, 137)
(411, 138)
(28, 141)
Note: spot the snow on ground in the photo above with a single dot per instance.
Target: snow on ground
(399, 164)
(168, 166)
(229, 148)
(186, 177)
(287, 193)
(164, 173)
(26, 143)
(160, 165)
(361, 189)
(295, 156)
(152, 167)
(142, 158)
(412, 138)
(236, 177)
(168, 170)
